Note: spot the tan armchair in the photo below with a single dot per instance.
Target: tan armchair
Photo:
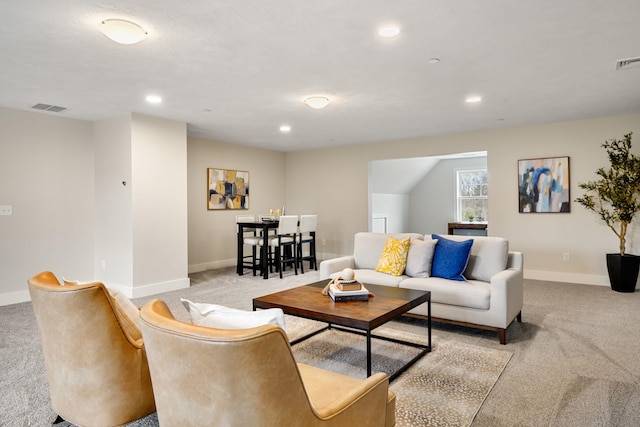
(93, 352)
(248, 377)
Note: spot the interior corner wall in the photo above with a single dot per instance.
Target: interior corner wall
(433, 201)
(340, 199)
(46, 176)
(141, 209)
(212, 233)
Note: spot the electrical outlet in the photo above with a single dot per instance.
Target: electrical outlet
(6, 210)
(565, 256)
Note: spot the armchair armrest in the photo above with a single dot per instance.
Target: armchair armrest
(330, 266)
(365, 404)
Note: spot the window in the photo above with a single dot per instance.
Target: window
(472, 197)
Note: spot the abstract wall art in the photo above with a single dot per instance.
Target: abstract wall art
(543, 185)
(227, 189)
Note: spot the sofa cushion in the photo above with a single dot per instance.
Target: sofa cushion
(221, 317)
(450, 258)
(393, 259)
(470, 293)
(367, 247)
(489, 256)
(373, 277)
(420, 257)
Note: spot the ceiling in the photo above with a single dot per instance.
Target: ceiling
(235, 71)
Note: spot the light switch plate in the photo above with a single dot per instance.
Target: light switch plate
(6, 210)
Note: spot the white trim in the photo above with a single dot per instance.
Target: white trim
(9, 298)
(152, 288)
(554, 276)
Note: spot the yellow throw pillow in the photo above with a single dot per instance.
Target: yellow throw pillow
(394, 256)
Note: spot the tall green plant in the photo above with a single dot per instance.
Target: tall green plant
(614, 196)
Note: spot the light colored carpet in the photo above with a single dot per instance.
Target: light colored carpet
(444, 388)
(575, 355)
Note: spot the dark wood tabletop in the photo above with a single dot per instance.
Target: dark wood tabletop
(307, 301)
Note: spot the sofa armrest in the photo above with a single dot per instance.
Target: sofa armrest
(507, 293)
(330, 266)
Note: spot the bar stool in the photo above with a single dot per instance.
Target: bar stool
(307, 234)
(249, 238)
(285, 239)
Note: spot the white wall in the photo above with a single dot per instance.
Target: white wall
(433, 200)
(542, 237)
(46, 175)
(114, 202)
(141, 204)
(396, 209)
(159, 189)
(212, 233)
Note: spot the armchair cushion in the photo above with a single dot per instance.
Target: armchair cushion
(221, 317)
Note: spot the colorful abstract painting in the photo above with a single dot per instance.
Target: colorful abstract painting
(543, 185)
(227, 189)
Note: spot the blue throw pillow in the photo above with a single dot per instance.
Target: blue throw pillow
(450, 258)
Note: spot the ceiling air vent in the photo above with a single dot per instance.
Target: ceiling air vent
(47, 107)
(627, 63)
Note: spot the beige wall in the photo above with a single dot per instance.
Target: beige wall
(212, 234)
(46, 175)
(333, 183)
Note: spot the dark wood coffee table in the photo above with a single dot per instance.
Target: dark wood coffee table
(387, 304)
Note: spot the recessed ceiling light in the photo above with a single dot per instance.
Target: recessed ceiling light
(285, 128)
(389, 31)
(153, 99)
(473, 99)
(433, 60)
(317, 101)
(122, 31)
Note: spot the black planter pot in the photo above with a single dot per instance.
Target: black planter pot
(623, 271)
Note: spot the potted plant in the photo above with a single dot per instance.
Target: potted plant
(615, 198)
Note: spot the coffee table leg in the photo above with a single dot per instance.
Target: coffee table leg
(368, 353)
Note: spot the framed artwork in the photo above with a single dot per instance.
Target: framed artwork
(227, 189)
(543, 185)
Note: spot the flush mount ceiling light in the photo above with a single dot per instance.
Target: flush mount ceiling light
(389, 31)
(473, 99)
(153, 99)
(122, 31)
(285, 128)
(317, 101)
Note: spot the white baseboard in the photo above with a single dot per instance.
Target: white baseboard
(554, 276)
(151, 289)
(9, 298)
(213, 265)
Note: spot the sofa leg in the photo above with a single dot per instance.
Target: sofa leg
(502, 333)
(519, 317)
(58, 420)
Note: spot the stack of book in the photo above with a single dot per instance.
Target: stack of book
(348, 291)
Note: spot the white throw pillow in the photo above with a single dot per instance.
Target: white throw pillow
(221, 317)
(420, 257)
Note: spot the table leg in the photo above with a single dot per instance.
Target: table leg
(368, 353)
(240, 259)
(264, 261)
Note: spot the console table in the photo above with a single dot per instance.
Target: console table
(452, 226)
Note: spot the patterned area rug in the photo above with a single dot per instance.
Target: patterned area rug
(445, 388)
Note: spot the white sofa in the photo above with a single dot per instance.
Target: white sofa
(490, 298)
